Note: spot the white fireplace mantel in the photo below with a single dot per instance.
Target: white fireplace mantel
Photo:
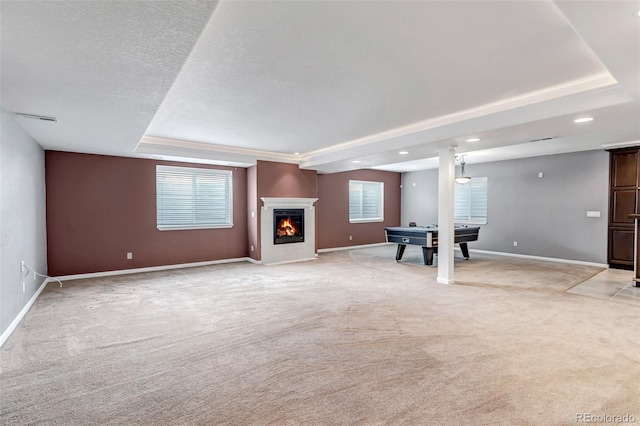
(280, 202)
(284, 253)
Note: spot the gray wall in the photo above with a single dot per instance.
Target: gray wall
(547, 217)
(22, 217)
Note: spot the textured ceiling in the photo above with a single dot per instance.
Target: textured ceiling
(305, 75)
(101, 67)
(322, 83)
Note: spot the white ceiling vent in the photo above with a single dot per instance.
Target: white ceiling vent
(36, 117)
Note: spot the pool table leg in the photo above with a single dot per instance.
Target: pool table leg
(465, 250)
(400, 251)
(427, 254)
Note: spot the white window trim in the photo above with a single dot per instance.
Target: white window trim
(160, 167)
(184, 228)
(381, 204)
(471, 222)
(366, 220)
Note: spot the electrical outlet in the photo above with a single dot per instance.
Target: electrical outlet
(129, 255)
(350, 238)
(515, 244)
(251, 247)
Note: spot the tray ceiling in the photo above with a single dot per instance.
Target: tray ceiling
(323, 83)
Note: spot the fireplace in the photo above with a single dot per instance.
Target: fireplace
(302, 215)
(288, 226)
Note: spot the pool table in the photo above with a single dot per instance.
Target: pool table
(427, 238)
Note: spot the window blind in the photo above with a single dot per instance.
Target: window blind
(190, 198)
(470, 201)
(366, 201)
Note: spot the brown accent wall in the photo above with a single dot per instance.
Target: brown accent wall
(333, 226)
(101, 207)
(280, 180)
(253, 204)
(286, 180)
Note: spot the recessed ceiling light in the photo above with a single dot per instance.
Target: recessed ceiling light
(473, 140)
(296, 153)
(356, 161)
(637, 13)
(583, 119)
(403, 152)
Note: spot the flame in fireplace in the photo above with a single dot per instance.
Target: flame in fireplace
(286, 228)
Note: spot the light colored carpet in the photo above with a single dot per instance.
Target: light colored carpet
(503, 271)
(351, 338)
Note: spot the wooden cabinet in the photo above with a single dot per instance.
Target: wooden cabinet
(624, 199)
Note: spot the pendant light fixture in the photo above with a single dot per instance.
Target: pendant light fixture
(462, 178)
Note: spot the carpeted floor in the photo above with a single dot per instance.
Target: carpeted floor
(494, 271)
(351, 338)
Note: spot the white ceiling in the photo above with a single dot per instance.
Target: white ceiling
(102, 68)
(334, 82)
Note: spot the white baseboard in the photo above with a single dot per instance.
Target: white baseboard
(291, 261)
(152, 269)
(548, 259)
(326, 250)
(5, 335)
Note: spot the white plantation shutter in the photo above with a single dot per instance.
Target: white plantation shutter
(188, 198)
(366, 201)
(470, 202)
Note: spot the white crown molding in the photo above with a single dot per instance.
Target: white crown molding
(154, 144)
(554, 100)
(443, 136)
(620, 145)
(593, 82)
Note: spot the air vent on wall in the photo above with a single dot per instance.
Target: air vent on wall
(37, 117)
(541, 139)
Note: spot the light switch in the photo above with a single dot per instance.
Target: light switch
(593, 214)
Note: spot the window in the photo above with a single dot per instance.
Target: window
(470, 202)
(191, 198)
(366, 201)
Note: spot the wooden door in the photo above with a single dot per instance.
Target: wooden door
(623, 200)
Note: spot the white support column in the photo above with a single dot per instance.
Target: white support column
(446, 176)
